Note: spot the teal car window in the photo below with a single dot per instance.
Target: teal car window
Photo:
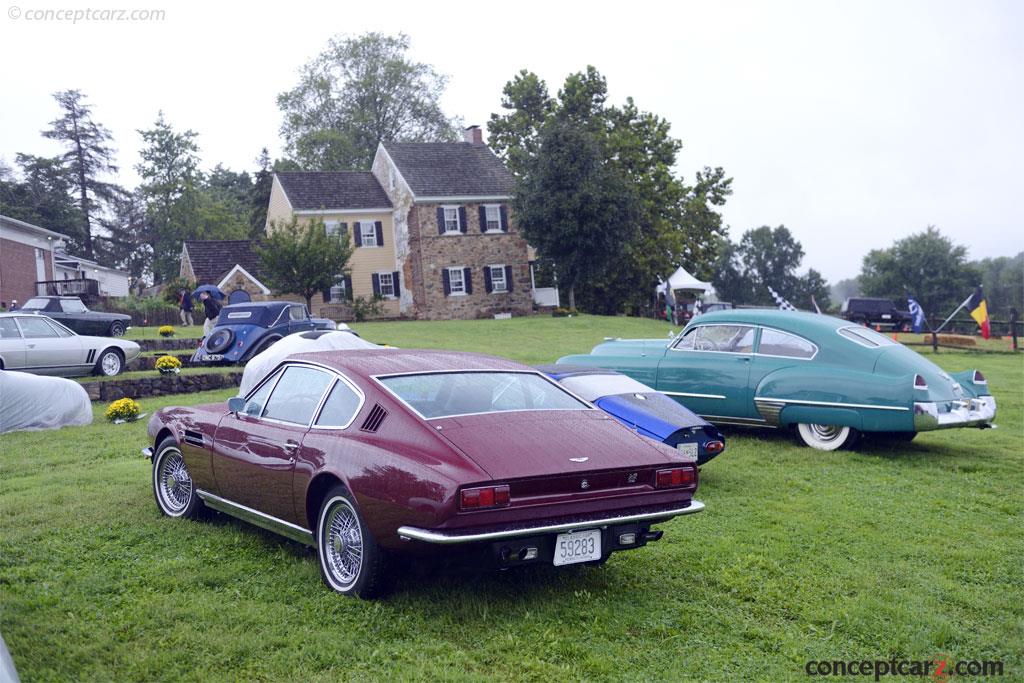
(865, 337)
(686, 343)
(725, 338)
(777, 343)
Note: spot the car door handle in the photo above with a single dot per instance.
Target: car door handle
(291, 446)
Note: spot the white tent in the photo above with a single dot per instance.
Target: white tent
(683, 280)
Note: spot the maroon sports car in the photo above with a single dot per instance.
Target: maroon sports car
(370, 454)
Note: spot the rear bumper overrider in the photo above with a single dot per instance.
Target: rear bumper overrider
(967, 412)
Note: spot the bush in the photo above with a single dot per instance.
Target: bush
(363, 308)
(169, 293)
(168, 365)
(124, 409)
(563, 312)
(166, 330)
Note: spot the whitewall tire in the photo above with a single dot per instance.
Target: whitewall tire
(826, 437)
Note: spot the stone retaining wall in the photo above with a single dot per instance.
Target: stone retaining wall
(160, 385)
(149, 362)
(168, 344)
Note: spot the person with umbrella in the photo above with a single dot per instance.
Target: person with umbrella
(210, 297)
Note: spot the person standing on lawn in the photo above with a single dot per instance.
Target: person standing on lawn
(185, 306)
(211, 307)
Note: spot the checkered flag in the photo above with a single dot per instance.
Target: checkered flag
(780, 302)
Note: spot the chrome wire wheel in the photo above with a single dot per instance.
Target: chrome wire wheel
(341, 544)
(824, 437)
(173, 483)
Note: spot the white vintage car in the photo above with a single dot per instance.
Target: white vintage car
(40, 345)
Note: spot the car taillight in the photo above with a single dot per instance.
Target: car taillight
(677, 476)
(484, 497)
(713, 447)
(979, 378)
(919, 382)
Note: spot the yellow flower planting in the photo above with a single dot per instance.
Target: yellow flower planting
(167, 364)
(166, 331)
(123, 409)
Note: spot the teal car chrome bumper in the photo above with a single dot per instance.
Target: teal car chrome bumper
(968, 412)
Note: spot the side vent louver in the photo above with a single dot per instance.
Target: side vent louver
(373, 420)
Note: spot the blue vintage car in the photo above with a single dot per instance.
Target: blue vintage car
(243, 330)
(827, 378)
(642, 409)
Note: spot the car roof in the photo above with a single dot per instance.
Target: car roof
(559, 372)
(272, 305)
(366, 363)
(799, 322)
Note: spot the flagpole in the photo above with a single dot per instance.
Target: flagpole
(939, 329)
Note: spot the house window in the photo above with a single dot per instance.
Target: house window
(368, 234)
(492, 214)
(456, 281)
(498, 281)
(338, 290)
(333, 227)
(451, 219)
(387, 285)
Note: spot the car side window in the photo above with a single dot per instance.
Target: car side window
(255, 404)
(36, 328)
(340, 407)
(686, 343)
(297, 313)
(9, 329)
(725, 338)
(776, 343)
(297, 394)
(72, 306)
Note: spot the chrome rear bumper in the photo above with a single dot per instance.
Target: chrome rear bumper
(448, 538)
(968, 412)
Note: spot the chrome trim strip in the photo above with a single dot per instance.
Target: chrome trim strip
(689, 395)
(442, 538)
(741, 421)
(257, 518)
(832, 404)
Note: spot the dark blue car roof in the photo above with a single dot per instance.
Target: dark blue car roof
(559, 372)
(262, 313)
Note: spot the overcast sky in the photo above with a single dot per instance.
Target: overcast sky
(852, 123)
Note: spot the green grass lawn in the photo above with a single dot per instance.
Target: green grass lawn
(907, 552)
(151, 332)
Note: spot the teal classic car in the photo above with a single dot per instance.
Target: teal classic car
(830, 379)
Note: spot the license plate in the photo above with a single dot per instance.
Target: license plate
(886, 316)
(687, 449)
(582, 546)
(213, 356)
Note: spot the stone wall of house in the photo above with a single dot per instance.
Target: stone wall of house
(239, 281)
(432, 252)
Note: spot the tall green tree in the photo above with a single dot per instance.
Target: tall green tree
(169, 169)
(88, 157)
(259, 195)
(303, 258)
(572, 207)
(359, 92)
(41, 195)
(672, 223)
(767, 257)
(928, 265)
(125, 242)
(1003, 278)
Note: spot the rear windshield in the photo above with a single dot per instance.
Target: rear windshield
(865, 337)
(463, 393)
(248, 315)
(35, 304)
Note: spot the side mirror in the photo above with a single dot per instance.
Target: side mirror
(236, 404)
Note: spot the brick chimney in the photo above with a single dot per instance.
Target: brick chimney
(473, 135)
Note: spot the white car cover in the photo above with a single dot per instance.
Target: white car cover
(306, 342)
(31, 402)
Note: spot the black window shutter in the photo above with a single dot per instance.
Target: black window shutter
(379, 227)
(504, 217)
(327, 295)
(375, 280)
(344, 228)
(446, 281)
(394, 280)
(508, 278)
(357, 234)
(440, 220)
(488, 287)
(467, 276)
(348, 287)
(483, 218)
(462, 219)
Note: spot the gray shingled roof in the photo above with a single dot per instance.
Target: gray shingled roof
(212, 259)
(451, 169)
(319, 190)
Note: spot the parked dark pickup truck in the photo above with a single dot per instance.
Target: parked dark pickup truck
(71, 312)
(870, 311)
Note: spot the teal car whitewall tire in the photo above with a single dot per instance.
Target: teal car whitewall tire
(826, 437)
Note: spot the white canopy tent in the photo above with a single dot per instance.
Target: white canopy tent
(683, 280)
